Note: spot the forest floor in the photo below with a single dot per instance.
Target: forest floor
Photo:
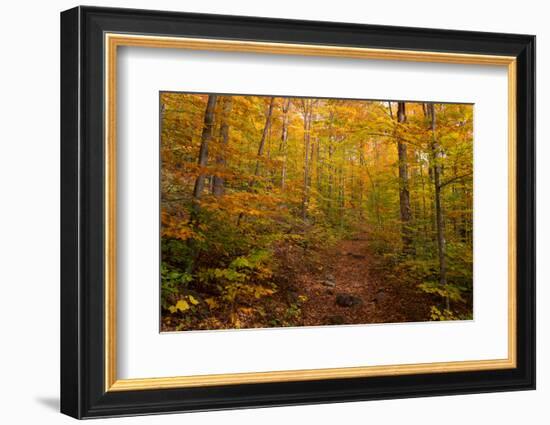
(342, 284)
(347, 284)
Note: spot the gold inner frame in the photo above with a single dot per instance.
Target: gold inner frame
(113, 41)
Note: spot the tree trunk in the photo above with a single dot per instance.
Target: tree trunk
(207, 129)
(361, 178)
(264, 135)
(219, 182)
(331, 139)
(404, 197)
(440, 223)
(330, 173)
(284, 138)
(307, 106)
(265, 132)
(424, 210)
(342, 203)
(205, 140)
(319, 165)
(312, 160)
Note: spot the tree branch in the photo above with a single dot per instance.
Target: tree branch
(452, 180)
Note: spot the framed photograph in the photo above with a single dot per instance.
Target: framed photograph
(261, 212)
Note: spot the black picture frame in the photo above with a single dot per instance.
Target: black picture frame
(83, 392)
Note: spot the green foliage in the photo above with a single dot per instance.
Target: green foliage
(176, 255)
(460, 265)
(244, 276)
(452, 292)
(173, 282)
(294, 310)
(439, 315)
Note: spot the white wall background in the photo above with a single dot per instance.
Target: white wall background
(29, 213)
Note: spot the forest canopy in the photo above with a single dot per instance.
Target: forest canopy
(280, 211)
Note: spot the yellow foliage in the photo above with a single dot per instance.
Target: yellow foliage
(293, 181)
(262, 291)
(212, 303)
(192, 300)
(246, 310)
(235, 321)
(181, 305)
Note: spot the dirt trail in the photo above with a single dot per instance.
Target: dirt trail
(347, 288)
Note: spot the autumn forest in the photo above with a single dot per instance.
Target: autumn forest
(282, 211)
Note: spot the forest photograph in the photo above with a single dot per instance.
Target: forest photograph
(297, 211)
